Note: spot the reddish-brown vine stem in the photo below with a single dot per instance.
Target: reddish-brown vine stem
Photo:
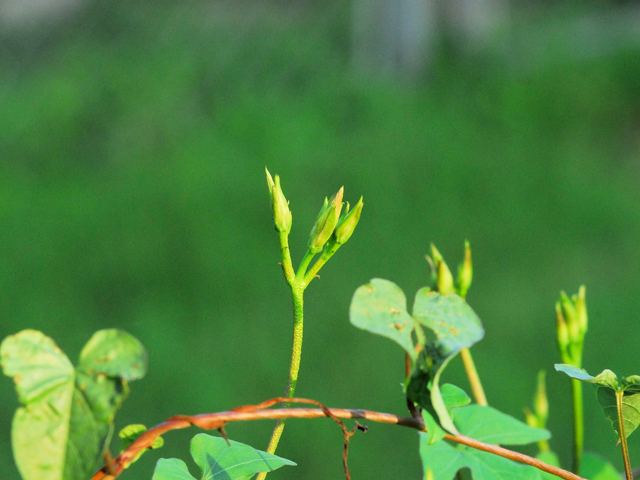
(211, 421)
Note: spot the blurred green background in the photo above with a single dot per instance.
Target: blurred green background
(133, 140)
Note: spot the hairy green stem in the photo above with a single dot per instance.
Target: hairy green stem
(623, 437)
(297, 291)
(578, 424)
(474, 378)
(304, 264)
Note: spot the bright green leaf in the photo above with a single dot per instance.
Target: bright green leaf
(219, 461)
(492, 426)
(114, 353)
(454, 397)
(380, 307)
(434, 430)
(171, 469)
(130, 433)
(456, 326)
(67, 418)
(608, 386)
(595, 467)
(453, 321)
(445, 461)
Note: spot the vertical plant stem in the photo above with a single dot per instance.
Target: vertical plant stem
(474, 379)
(578, 424)
(285, 254)
(623, 437)
(297, 290)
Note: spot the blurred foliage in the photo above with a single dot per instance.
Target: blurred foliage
(133, 142)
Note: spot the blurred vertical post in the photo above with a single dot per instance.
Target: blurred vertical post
(398, 38)
(393, 37)
(472, 25)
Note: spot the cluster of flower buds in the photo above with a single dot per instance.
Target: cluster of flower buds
(330, 228)
(571, 314)
(442, 277)
(281, 214)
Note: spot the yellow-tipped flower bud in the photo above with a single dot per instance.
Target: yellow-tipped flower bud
(563, 334)
(326, 222)
(530, 418)
(444, 279)
(465, 272)
(347, 223)
(281, 214)
(580, 303)
(540, 401)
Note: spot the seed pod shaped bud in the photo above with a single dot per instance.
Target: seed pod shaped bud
(530, 418)
(347, 223)
(571, 317)
(465, 272)
(540, 401)
(580, 304)
(563, 334)
(444, 279)
(281, 214)
(326, 222)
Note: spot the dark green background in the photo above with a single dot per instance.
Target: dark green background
(132, 195)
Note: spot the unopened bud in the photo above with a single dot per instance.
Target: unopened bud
(347, 223)
(444, 279)
(281, 214)
(326, 222)
(580, 303)
(571, 317)
(530, 418)
(562, 332)
(540, 402)
(465, 272)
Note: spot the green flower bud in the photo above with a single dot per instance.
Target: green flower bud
(540, 401)
(530, 418)
(563, 334)
(579, 301)
(326, 222)
(571, 316)
(465, 272)
(281, 214)
(444, 279)
(347, 223)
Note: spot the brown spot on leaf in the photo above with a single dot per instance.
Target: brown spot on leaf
(395, 310)
(454, 330)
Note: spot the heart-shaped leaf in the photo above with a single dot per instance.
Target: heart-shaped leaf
(220, 461)
(380, 307)
(490, 426)
(456, 326)
(67, 418)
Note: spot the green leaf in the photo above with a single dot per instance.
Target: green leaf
(492, 426)
(453, 321)
(114, 353)
(434, 432)
(456, 326)
(44, 380)
(608, 386)
(171, 469)
(594, 467)
(380, 307)
(219, 461)
(487, 425)
(130, 433)
(67, 418)
(445, 461)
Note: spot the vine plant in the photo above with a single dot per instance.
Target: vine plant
(65, 425)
